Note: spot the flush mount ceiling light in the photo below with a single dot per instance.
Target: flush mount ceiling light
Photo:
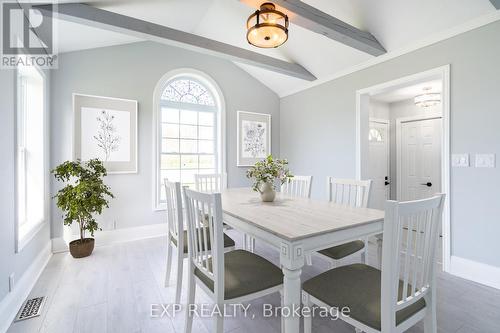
(267, 27)
(427, 99)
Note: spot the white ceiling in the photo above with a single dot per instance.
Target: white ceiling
(395, 23)
(410, 92)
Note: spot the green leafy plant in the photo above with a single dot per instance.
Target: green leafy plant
(268, 171)
(84, 195)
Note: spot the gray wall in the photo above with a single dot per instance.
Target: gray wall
(132, 71)
(318, 129)
(10, 261)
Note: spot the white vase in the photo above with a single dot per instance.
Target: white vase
(267, 192)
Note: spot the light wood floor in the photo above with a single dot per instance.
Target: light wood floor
(112, 291)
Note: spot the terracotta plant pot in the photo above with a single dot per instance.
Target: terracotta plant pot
(79, 249)
(267, 192)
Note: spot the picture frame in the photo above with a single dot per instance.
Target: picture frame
(106, 128)
(253, 137)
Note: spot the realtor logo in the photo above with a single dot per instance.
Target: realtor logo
(27, 35)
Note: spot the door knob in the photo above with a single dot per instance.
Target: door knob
(429, 184)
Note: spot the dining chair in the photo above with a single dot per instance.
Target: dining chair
(298, 187)
(227, 278)
(402, 293)
(210, 183)
(351, 193)
(177, 236)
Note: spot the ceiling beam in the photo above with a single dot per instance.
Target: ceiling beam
(324, 24)
(495, 3)
(99, 18)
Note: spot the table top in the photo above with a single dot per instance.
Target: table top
(294, 218)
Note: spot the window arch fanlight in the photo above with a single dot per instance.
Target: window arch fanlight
(189, 129)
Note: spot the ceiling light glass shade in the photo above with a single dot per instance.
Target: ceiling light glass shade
(427, 100)
(267, 27)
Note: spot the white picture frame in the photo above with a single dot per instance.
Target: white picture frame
(106, 128)
(254, 137)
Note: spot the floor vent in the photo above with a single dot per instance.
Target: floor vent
(31, 308)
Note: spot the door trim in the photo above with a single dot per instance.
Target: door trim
(362, 117)
(399, 151)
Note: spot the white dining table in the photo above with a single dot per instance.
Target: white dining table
(297, 227)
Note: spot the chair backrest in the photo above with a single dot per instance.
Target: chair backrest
(411, 230)
(205, 235)
(298, 186)
(349, 192)
(210, 183)
(174, 211)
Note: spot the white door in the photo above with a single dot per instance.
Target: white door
(378, 171)
(420, 159)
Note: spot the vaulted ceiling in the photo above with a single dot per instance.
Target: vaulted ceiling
(395, 24)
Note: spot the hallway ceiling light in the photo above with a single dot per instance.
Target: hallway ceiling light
(428, 98)
(267, 27)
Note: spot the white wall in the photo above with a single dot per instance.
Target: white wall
(132, 72)
(318, 131)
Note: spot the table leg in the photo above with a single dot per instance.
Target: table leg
(292, 261)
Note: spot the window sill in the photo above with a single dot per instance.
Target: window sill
(26, 233)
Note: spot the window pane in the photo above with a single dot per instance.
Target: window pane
(171, 175)
(189, 117)
(170, 146)
(189, 146)
(206, 133)
(187, 176)
(206, 171)
(170, 161)
(189, 161)
(206, 118)
(170, 130)
(207, 161)
(206, 146)
(189, 132)
(169, 115)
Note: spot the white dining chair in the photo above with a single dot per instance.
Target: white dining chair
(352, 193)
(210, 183)
(403, 292)
(177, 236)
(227, 278)
(297, 187)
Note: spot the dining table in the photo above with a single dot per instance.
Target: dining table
(297, 228)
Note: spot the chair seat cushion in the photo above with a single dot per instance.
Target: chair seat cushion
(245, 273)
(228, 242)
(343, 250)
(357, 287)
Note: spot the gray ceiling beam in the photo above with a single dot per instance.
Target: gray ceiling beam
(495, 3)
(99, 18)
(324, 24)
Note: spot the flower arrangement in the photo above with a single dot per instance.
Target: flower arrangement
(266, 172)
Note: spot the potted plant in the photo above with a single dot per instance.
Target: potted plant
(84, 195)
(266, 173)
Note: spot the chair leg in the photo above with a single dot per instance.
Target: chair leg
(188, 326)
(430, 320)
(180, 268)
(379, 250)
(218, 321)
(282, 305)
(169, 263)
(306, 300)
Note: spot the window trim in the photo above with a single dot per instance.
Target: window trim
(24, 237)
(214, 88)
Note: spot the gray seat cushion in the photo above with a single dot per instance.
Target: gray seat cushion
(358, 287)
(228, 242)
(343, 250)
(244, 273)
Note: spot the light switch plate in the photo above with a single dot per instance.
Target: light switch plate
(460, 160)
(485, 160)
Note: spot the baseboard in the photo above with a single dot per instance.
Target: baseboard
(475, 271)
(13, 300)
(59, 245)
(108, 237)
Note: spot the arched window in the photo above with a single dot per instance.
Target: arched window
(189, 129)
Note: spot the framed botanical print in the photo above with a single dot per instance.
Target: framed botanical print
(106, 128)
(254, 137)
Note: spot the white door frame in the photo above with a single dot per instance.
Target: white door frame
(399, 150)
(388, 123)
(362, 124)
